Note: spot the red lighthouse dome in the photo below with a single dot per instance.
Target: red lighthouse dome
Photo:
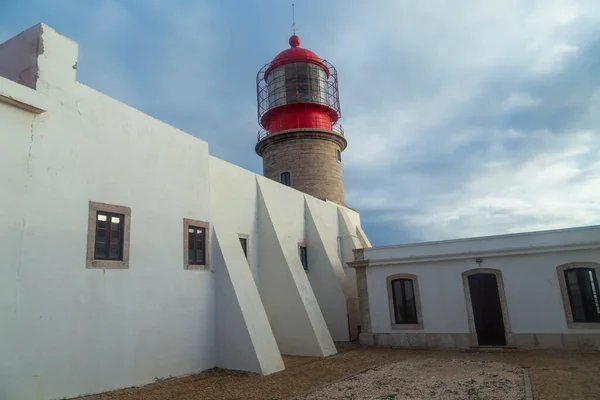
(297, 90)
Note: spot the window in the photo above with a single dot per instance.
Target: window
(297, 82)
(405, 310)
(339, 155)
(580, 294)
(196, 244)
(404, 304)
(286, 178)
(244, 243)
(582, 287)
(108, 236)
(304, 257)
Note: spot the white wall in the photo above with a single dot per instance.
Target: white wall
(106, 329)
(287, 295)
(325, 273)
(18, 57)
(245, 340)
(530, 282)
(235, 193)
(69, 330)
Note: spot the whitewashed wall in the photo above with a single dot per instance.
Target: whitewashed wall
(530, 281)
(235, 193)
(106, 329)
(68, 330)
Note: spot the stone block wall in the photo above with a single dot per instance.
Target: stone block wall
(311, 159)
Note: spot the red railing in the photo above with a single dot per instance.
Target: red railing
(335, 128)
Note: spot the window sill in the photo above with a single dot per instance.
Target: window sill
(195, 267)
(407, 326)
(107, 264)
(583, 325)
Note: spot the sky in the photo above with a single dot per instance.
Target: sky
(463, 118)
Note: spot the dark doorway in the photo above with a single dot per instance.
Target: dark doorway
(487, 311)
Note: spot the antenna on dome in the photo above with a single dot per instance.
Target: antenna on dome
(293, 19)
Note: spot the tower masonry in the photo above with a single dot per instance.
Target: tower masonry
(301, 142)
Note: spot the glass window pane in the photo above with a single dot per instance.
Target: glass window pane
(594, 288)
(115, 251)
(244, 244)
(101, 222)
(304, 257)
(115, 220)
(397, 300)
(191, 245)
(575, 296)
(100, 253)
(200, 259)
(100, 235)
(411, 309)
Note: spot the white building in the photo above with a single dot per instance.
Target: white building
(528, 290)
(129, 253)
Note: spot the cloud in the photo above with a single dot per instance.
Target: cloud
(462, 118)
(485, 119)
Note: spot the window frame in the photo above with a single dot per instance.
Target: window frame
(391, 304)
(289, 174)
(191, 223)
(247, 239)
(91, 261)
(566, 296)
(302, 245)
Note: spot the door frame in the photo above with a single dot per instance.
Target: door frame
(500, 282)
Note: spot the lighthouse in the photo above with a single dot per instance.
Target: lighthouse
(300, 140)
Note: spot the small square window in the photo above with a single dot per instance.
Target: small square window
(196, 244)
(304, 257)
(286, 179)
(108, 236)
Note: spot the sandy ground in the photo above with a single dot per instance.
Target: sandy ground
(430, 378)
(554, 375)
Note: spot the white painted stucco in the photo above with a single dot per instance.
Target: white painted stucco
(19, 57)
(68, 330)
(325, 267)
(105, 328)
(288, 298)
(528, 263)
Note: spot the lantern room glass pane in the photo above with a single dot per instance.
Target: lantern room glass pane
(297, 83)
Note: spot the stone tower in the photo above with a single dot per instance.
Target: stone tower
(301, 142)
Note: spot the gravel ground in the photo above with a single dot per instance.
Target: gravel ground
(430, 378)
(554, 375)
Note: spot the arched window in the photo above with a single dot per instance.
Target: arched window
(403, 296)
(338, 154)
(581, 293)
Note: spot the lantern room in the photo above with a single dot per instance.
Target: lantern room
(297, 90)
